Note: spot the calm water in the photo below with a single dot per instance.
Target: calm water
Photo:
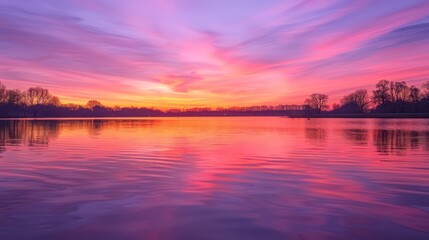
(214, 178)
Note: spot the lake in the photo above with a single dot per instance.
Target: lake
(214, 178)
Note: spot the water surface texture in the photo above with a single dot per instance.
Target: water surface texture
(214, 178)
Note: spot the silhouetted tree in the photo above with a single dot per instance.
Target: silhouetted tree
(415, 96)
(35, 98)
(54, 101)
(2, 93)
(425, 87)
(14, 97)
(93, 104)
(381, 94)
(317, 101)
(400, 92)
(359, 99)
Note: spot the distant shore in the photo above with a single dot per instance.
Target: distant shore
(365, 115)
(321, 115)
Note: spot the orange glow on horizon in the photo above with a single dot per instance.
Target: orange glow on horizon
(258, 54)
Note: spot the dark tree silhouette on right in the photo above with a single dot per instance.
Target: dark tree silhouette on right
(317, 101)
(358, 100)
(3, 92)
(399, 91)
(415, 95)
(381, 94)
(425, 87)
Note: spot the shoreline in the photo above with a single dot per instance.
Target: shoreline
(308, 116)
(369, 115)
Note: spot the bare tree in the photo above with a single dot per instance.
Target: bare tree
(381, 94)
(399, 91)
(14, 101)
(2, 93)
(425, 87)
(54, 101)
(414, 96)
(358, 98)
(317, 101)
(35, 98)
(93, 103)
(14, 97)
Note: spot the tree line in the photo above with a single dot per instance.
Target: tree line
(39, 102)
(387, 97)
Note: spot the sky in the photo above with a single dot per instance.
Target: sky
(191, 53)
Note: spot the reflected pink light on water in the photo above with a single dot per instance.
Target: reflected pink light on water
(167, 177)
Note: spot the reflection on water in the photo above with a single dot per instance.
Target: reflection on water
(31, 133)
(316, 134)
(395, 141)
(357, 136)
(214, 178)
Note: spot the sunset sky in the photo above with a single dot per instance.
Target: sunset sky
(210, 52)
